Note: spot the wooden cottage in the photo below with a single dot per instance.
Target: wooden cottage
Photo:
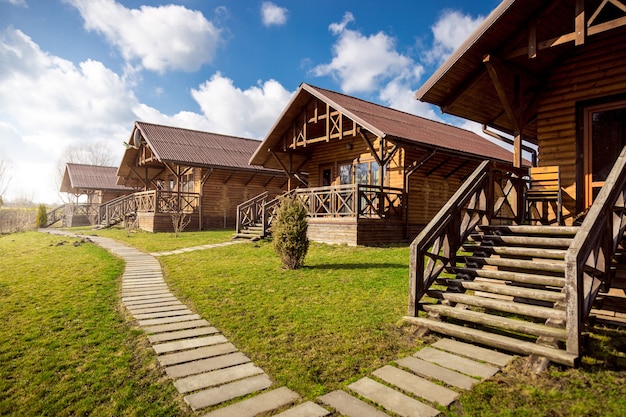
(97, 183)
(201, 176)
(367, 173)
(551, 74)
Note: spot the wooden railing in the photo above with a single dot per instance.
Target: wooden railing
(588, 259)
(153, 201)
(352, 200)
(249, 212)
(55, 215)
(493, 194)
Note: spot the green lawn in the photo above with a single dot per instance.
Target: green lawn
(66, 346)
(69, 348)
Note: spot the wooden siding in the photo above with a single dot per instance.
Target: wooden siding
(162, 222)
(589, 74)
(225, 190)
(349, 149)
(352, 231)
(432, 185)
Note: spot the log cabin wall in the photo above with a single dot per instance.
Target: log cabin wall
(226, 189)
(432, 185)
(349, 150)
(590, 73)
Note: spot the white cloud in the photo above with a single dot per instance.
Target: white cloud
(48, 103)
(20, 3)
(54, 103)
(231, 110)
(362, 64)
(162, 38)
(273, 15)
(449, 32)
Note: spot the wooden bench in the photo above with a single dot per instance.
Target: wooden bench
(544, 187)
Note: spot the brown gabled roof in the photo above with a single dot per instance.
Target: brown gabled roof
(186, 147)
(384, 122)
(79, 178)
(463, 87)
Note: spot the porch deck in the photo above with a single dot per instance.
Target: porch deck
(352, 214)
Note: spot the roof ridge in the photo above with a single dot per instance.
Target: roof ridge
(394, 110)
(196, 130)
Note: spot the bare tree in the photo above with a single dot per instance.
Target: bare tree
(93, 153)
(5, 178)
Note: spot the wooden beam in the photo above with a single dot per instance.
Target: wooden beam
(579, 23)
(439, 165)
(494, 68)
(532, 40)
(455, 170)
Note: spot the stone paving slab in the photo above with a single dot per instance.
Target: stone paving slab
(160, 314)
(307, 409)
(391, 399)
(182, 334)
(474, 352)
(189, 344)
(166, 320)
(162, 304)
(143, 283)
(195, 354)
(416, 385)
(148, 289)
(206, 365)
(169, 327)
(227, 392)
(215, 378)
(132, 303)
(434, 371)
(145, 297)
(261, 403)
(128, 294)
(350, 406)
(157, 308)
(457, 363)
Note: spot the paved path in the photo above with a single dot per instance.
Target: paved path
(210, 371)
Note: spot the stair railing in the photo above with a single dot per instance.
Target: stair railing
(587, 260)
(114, 211)
(250, 212)
(55, 215)
(493, 193)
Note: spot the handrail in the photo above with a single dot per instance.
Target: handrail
(249, 212)
(587, 261)
(352, 200)
(55, 215)
(493, 192)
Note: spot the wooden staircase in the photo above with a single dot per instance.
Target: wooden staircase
(505, 291)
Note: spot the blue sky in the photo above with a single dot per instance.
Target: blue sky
(74, 73)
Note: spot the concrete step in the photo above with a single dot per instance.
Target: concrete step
(189, 344)
(436, 372)
(215, 378)
(416, 385)
(474, 352)
(206, 365)
(457, 363)
(196, 354)
(262, 403)
(350, 406)
(392, 400)
(306, 409)
(218, 395)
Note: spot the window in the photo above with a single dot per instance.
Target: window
(345, 174)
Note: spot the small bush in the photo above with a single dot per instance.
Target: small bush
(289, 233)
(42, 216)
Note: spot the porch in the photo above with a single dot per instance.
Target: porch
(152, 210)
(352, 214)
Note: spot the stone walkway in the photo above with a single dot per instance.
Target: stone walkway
(213, 374)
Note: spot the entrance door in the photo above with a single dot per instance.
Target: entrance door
(605, 136)
(326, 176)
